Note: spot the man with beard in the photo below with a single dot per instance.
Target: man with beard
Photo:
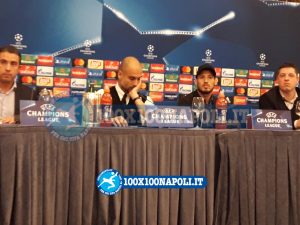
(11, 92)
(128, 103)
(205, 82)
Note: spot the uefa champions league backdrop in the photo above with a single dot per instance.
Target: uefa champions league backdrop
(250, 34)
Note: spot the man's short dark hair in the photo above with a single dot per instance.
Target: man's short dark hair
(287, 65)
(10, 49)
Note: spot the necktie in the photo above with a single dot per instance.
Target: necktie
(124, 99)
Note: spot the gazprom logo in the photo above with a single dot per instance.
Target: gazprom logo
(271, 115)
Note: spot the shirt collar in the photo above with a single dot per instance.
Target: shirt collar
(289, 101)
(120, 92)
(10, 90)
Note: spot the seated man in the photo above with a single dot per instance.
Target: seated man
(205, 82)
(11, 92)
(286, 94)
(128, 103)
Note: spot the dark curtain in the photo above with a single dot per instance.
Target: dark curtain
(259, 179)
(46, 181)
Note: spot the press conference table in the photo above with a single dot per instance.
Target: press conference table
(253, 176)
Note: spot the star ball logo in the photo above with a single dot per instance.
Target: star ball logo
(18, 44)
(150, 55)
(109, 182)
(208, 54)
(262, 63)
(87, 50)
(18, 37)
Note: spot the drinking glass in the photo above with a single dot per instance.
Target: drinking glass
(198, 106)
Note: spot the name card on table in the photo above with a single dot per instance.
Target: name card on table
(168, 116)
(270, 119)
(54, 113)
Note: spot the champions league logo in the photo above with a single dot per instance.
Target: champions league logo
(18, 44)
(262, 62)
(208, 58)
(87, 50)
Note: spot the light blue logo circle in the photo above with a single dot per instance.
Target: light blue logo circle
(109, 181)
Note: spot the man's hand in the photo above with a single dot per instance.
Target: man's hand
(134, 91)
(297, 124)
(8, 120)
(119, 121)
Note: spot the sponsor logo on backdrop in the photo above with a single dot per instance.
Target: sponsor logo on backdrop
(156, 87)
(27, 70)
(227, 81)
(98, 83)
(186, 79)
(229, 91)
(173, 78)
(62, 61)
(44, 60)
(18, 41)
(240, 82)
(208, 56)
(240, 91)
(254, 83)
(61, 91)
(186, 69)
(44, 81)
(218, 71)
(267, 83)
(95, 73)
(157, 77)
(28, 80)
(45, 71)
(79, 62)
(254, 74)
(62, 71)
(111, 74)
(253, 92)
(87, 48)
(157, 68)
(263, 90)
(241, 73)
(79, 72)
(77, 92)
(150, 55)
(240, 100)
(111, 65)
(28, 59)
(185, 88)
(95, 64)
(156, 96)
(109, 83)
(171, 87)
(216, 90)
(78, 83)
(227, 72)
(172, 68)
(145, 77)
(170, 97)
(268, 75)
(146, 67)
(262, 60)
(62, 82)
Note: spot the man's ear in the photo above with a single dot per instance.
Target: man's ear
(119, 74)
(216, 80)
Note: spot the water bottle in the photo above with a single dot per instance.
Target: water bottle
(106, 108)
(221, 111)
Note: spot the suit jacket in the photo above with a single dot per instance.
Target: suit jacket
(23, 92)
(186, 100)
(273, 100)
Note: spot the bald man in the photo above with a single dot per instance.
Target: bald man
(128, 103)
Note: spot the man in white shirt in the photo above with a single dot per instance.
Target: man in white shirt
(10, 92)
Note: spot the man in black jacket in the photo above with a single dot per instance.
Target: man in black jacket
(11, 92)
(286, 94)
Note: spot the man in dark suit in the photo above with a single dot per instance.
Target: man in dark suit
(205, 82)
(286, 94)
(11, 92)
